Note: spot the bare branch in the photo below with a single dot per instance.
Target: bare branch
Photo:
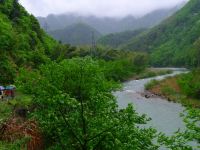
(71, 129)
(101, 133)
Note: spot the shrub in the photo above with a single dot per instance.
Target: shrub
(151, 84)
(76, 108)
(190, 84)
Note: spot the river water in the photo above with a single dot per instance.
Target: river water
(165, 115)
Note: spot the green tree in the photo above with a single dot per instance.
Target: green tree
(8, 70)
(76, 108)
(190, 84)
(197, 52)
(7, 36)
(181, 140)
(15, 13)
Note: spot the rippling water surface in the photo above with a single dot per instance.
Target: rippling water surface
(165, 115)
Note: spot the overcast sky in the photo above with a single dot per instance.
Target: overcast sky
(101, 8)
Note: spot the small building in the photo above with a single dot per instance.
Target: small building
(7, 92)
(2, 92)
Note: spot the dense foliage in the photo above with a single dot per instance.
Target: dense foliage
(81, 112)
(122, 69)
(188, 139)
(77, 34)
(190, 84)
(183, 88)
(71, 98)
(76, 108)
(116, 39)
(124, 64)
(175, 41)
(22, 42)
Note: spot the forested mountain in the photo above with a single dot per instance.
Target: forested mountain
(51, 93)
(22, 41)
(116, 39)
(77, 34)
(105, 25)
(62, 96)
(176, 41)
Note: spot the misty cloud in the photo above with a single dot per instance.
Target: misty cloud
(101, 8)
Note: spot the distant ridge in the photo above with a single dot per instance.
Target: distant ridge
(176, 41)
(76, 34)
(108, 25)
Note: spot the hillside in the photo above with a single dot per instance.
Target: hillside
(77, 34)
(105, 25)
(60, 97)
(176, 41)
(22, 41)
(116, 39)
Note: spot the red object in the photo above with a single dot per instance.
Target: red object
(8, 92)
(12, 93)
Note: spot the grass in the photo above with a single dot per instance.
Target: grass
(21, 100)
(169, 88)
(6, 107)
(6, 111)
(17, 145)
(151, 84)
(8, 146)
(151, 72)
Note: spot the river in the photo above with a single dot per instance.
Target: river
(165, 115)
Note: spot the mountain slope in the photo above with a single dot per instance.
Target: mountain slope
(175, 41)
(116, 39)
(105, 25)
(77, 34)
(22, 41)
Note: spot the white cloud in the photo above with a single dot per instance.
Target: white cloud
(101, 8)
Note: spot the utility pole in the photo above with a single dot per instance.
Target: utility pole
(198, 58)
(93, 48)
(197, 47)
(46, 26)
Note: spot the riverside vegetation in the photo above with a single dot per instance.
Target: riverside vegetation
(65, 96)
(181, 88)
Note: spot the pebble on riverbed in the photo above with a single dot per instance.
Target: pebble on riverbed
(148, 95)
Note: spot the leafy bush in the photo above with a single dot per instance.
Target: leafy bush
(166, 42)
(118, 70)
(190, 84)
(151, 84)
(183, 139)
(22, 41)
(123, 68)
(7, 40)
(5, 112)
(7, 69)
(76, 108)
(17, 145)
(167, 90)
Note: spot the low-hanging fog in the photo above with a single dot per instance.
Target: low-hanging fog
(99, 8)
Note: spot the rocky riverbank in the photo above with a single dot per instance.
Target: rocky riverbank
(169, 89)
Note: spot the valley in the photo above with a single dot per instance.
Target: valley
(91, 82)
